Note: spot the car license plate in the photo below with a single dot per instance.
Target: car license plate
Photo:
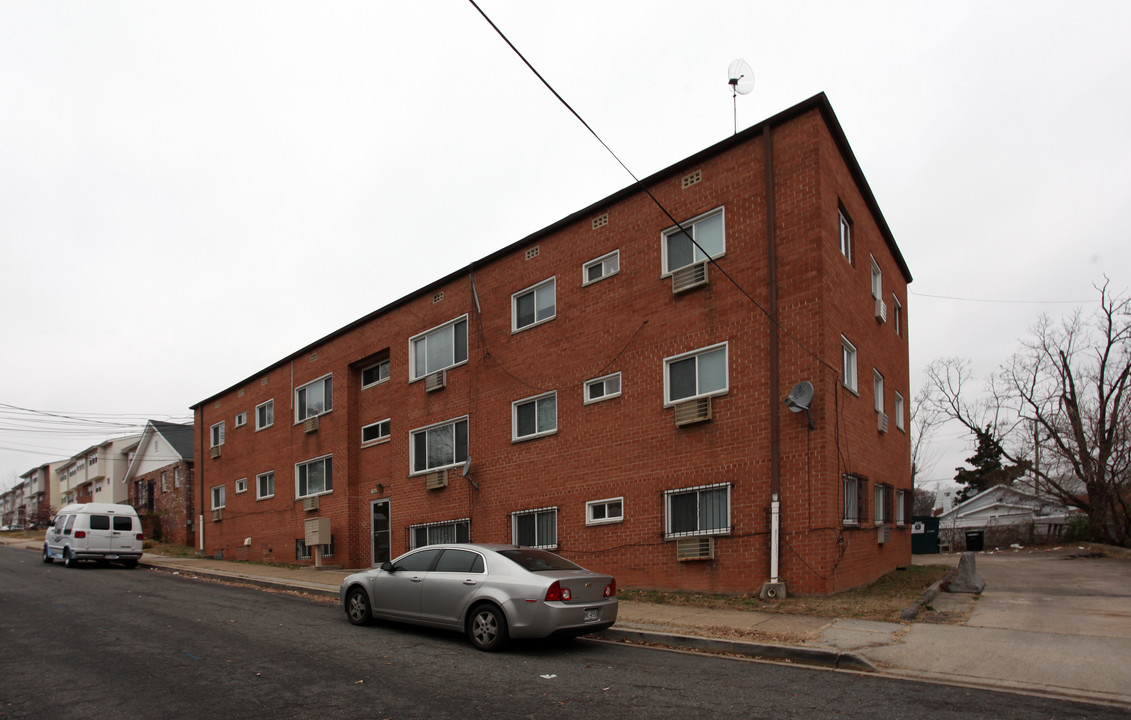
(592, 615)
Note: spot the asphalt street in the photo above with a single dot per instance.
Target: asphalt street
(116, 643)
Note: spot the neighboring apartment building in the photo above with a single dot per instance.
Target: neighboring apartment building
(599, 390)
(41, 493)
(159, 482)
(95, 474)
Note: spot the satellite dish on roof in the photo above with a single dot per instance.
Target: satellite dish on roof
(741, 80)
(800, 398)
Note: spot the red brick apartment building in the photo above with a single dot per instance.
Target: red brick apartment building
(598, 389)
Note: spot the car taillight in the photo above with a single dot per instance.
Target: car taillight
(557, 593)
(141, 536)
(80, 533)
(611, 589)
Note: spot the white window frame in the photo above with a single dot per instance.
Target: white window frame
(216, 434)
(848, 365)
(844, 230)
(607, 519)
(540, 543)
(382, 377)
(328, 486)
(327, 382)
(878, 390)
(609, 264)
(878, 508)
(669, 401)
(164, 482)
(689, 227)
(453, 423)
(699, 531)
(177, 476)
(899, 411)
(877, 279)
(900, 507)
(269, 477)
(241, 486)
(265, 409)
(380, 438)
(897, 315)
(453, 525)
(535, 290)
(218, 493)
(851, 500)
(241, 419)
(457, 358)
(537, 401)
(603, 381)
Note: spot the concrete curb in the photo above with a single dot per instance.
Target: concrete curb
(912, 612)
(798, 655)
(289, 585)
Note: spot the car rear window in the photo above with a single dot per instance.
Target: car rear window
(537, 560)
(122, 522)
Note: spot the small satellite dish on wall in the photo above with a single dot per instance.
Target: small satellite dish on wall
(800, 398)
(741, 80)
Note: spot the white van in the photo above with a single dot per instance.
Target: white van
(94, 531)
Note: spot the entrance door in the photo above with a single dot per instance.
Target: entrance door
(382, 532)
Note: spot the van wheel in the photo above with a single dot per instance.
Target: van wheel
(47, 555)
(487, 628)
(69, 559)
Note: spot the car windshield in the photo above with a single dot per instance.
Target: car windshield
(537, 560)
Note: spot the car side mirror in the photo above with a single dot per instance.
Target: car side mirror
(387, 566)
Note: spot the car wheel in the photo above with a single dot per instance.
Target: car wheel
(69, 559)
(487, 628)
(47, 555)
(357, 607)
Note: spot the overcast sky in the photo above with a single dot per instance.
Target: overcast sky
(190, 191)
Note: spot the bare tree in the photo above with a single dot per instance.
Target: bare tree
(924, 420)
(1061, 404)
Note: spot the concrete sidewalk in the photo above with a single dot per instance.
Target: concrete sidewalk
(1050, 623)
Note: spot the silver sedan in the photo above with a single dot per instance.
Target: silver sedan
(490, 592)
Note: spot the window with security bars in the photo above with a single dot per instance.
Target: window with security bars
(453, 531)
(535, 528)
(703, 510)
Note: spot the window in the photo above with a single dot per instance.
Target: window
(464, 562)
(877, 280)
(302, 552)
(265, 415)
(878, 390)
(534, 305)
(241, 486)
(853, 510)
(314, 477)
(264, 485)
(602, 512)
(164, 482)
(603, 388)
(600, 268)
(443, 347)
(845, 226)
(848, 363)
(218, 434)
(315, 398)
(900, 507)
(375, 374)
(534, 417)
(535, 528)
(92, 461)
(704, 234)
(241, 419)
(375, 432)
(881, 514)
(897, 315)
(177, 476)
(899, 411)
(439, 447)
(703, 510)
(451, 531)
(696, 374)
(217, 497)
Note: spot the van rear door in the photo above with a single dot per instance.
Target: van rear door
(123, 535)
(100, 538)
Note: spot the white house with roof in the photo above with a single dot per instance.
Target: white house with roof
(1005, 515)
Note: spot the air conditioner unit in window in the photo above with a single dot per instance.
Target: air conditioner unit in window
(310, 503)
(436, 480)
(693, 411)
(695, 549)
(217, 514)
(689, 278)
(882, 422)
(881, 310)
(214, 451)
(882, 534)
(436, 381)
(310, 424)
